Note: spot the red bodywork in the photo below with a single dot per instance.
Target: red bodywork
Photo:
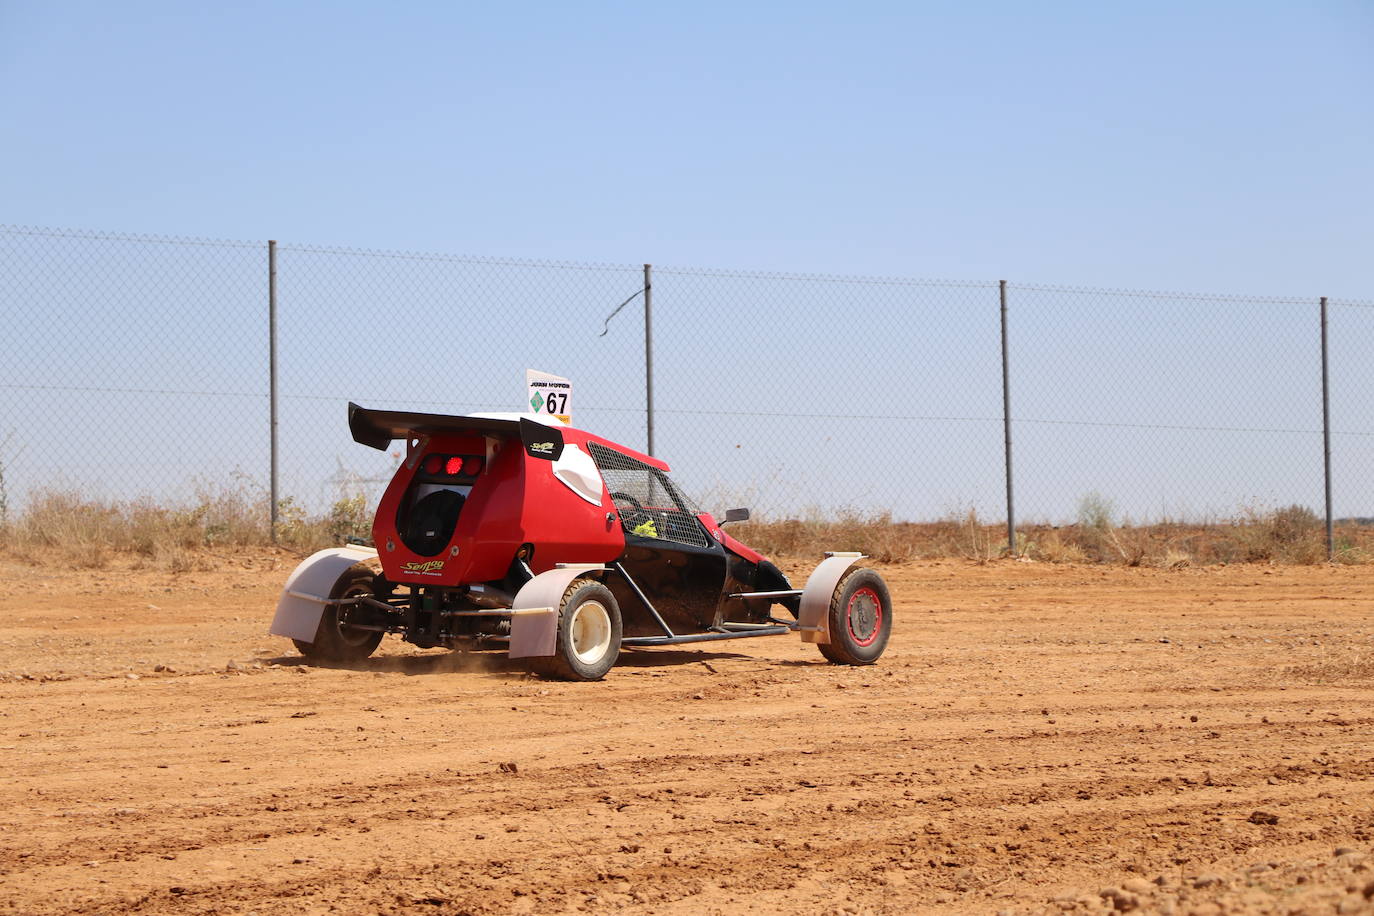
(514, 501)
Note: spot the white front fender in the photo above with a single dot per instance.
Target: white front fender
(307, 590)
(813, 619)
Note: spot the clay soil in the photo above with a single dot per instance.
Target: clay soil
(1038, 739)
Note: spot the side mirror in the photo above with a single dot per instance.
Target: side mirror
(735, 515)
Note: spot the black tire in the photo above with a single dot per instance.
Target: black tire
(860, 619)
(335, 640)
(589, 632)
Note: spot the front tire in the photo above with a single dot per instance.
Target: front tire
(860, 619)
(335, 640)
(589, 631)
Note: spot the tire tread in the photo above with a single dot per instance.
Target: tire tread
(840, 650)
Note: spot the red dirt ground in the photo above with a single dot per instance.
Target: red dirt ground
(1038, 739)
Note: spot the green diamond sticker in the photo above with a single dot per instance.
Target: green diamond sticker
(537, 402)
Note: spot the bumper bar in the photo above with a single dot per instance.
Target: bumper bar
(702, 637)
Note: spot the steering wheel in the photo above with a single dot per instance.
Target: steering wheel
(637, 511)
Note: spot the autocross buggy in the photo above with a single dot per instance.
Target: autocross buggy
(517, 531)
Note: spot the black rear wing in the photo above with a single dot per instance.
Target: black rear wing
(377, 428)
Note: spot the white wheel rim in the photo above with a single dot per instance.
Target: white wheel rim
(590, 632)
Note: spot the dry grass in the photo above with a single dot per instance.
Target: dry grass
(1282, 536)
(85, 533)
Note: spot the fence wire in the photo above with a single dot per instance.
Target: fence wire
(1351, 336)
(1152, 406)
(138, 370)
(815, 395)
(440, 335)
(136, 365)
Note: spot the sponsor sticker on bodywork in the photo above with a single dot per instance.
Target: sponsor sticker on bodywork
(541, 441)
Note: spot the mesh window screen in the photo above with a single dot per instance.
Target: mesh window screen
(649, 505)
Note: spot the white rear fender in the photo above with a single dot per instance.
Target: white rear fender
(813, 619)
(534, 612)
(306, 592)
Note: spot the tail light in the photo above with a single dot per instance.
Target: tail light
(451, 468)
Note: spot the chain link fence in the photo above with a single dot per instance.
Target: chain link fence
(138, 369)
(135, 365)
(1165, 407)
(1351, 335)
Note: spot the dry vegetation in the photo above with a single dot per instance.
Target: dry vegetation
(85, 533)
(1290, 535)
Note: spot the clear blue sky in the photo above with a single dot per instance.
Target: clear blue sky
(1209, 146)
(1212, 147)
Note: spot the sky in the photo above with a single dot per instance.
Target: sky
(1201, 146)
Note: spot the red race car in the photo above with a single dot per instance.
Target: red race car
(516, 531)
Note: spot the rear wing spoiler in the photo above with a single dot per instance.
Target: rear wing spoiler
(377, 428)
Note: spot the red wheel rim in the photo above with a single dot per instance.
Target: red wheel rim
(864, 616)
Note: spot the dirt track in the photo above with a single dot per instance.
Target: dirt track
(1037, 739)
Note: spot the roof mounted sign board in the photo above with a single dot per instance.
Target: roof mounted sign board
(549, 395)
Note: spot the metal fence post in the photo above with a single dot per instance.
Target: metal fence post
(1006, 421)
(1326, 442)
(272, 372)
(649, 353)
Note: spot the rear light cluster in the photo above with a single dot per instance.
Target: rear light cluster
(452, 466)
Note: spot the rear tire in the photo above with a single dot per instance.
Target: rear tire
(335, 640)
(589, 631)
(860, 619)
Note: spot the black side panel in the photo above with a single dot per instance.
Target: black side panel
(683, 582)
(756, 577)
(746, 576)
(769, 578)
